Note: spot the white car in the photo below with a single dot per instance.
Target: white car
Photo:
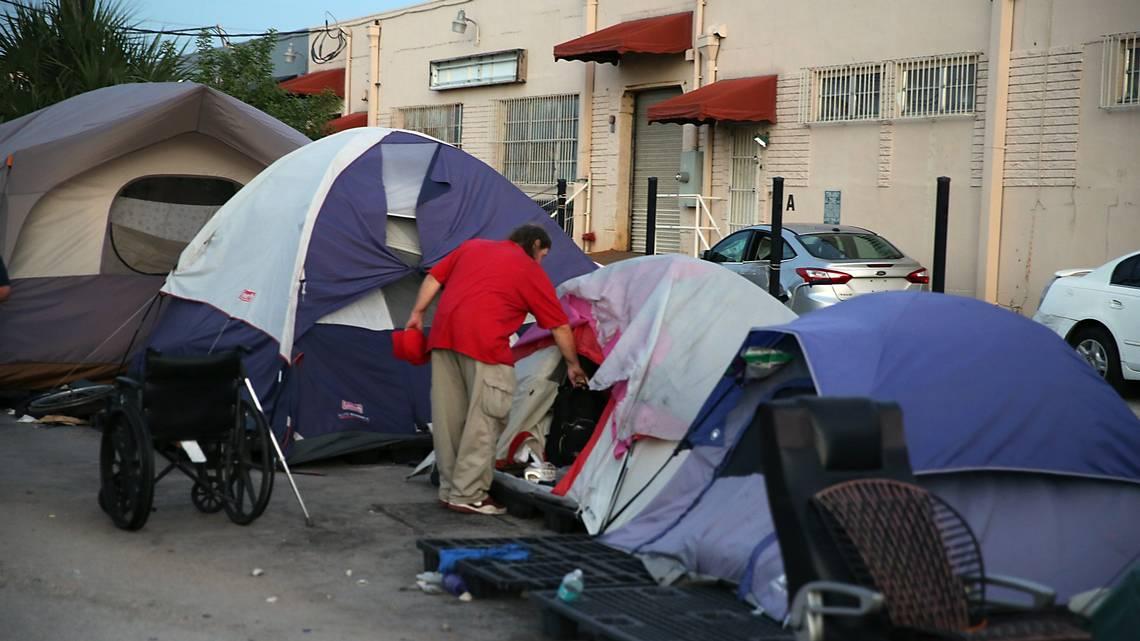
(1098, 312)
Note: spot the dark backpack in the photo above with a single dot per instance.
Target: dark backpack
(575, 415)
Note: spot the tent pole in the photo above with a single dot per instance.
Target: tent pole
(280, 455)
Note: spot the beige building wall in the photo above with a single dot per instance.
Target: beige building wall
(1072, 182)
(1069, 179)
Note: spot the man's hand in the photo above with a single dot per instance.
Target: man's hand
(576, 375)
(428, 290)
(415, 321)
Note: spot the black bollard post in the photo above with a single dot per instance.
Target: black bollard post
(777, 252)
(561, 204)
(941, 222)
(651, 216)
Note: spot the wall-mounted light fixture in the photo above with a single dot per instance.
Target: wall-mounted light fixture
(290, 54)
(761, 139)
(459, 25)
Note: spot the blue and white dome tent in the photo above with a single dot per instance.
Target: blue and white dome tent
(1003, 420)
(316, 260)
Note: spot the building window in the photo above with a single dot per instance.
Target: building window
(444, 122)
(848, 92)
(502, 67)
(911, 88)
(936, 86)
(1120, 71)
(538, 139)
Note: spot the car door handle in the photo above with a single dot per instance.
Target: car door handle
(1115, 304)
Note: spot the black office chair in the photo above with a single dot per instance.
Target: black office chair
(870, 555)
(191, 411)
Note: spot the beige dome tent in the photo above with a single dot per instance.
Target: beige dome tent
(98, 196)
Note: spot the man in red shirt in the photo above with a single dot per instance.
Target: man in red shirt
(488, 289)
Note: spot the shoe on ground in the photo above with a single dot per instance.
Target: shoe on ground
(486, 506)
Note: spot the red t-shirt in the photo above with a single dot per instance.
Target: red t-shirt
(489, 286)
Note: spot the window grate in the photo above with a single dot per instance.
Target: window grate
(538, 139)
(936, 86)
(926, 87)
(1120, 71)
(444, 122)
(742, 205)
(845, 92)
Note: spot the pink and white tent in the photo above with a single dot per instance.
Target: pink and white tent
(665, 328)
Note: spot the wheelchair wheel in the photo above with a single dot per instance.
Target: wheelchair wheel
(248, 466)
(79, 402)
(207, 499)
(126, 469)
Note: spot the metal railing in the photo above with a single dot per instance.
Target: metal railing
(700, 231)
(559, 202)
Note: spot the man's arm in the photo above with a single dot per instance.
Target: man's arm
(564, 338)
(428, 290)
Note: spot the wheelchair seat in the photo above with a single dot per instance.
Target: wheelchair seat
(191, 397)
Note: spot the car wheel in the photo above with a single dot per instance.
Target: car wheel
(1098, 348)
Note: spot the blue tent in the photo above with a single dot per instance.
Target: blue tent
(1002, 418)
(313, 264)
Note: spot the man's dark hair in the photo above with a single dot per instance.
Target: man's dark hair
(526, 235)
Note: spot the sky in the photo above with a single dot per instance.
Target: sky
(253, 16)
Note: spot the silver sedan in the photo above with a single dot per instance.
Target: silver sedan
(822, 264)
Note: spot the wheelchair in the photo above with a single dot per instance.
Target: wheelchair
(194, 413)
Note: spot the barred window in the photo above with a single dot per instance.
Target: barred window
(1120, 71)
(848, 92)
(937, 86)
(538, 139)
(444, 122)
(910, 88)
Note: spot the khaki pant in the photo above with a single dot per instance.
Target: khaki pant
(470, 402)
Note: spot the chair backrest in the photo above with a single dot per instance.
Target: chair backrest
(809, 444)
(191, 397)
(909, 545)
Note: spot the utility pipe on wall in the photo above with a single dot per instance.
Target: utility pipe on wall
(347, 74)
(709, 45)
(587, 131)
(993, 163)
(374, 73)
(689, 133)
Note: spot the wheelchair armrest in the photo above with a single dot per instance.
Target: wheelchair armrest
(127, 381)
(1042, 596)
(807, 611)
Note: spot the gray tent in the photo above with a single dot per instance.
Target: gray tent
(98, 196)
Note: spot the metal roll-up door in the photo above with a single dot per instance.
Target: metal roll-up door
(656, 152)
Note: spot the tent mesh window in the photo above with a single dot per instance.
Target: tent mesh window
(153, 219)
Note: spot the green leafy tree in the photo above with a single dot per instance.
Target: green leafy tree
(245, 71)
(57, 49)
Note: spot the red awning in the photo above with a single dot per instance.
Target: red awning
(662, 34)
(738, 100)
(316, 82)
(358, 119)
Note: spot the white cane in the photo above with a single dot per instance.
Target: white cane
(280, 455)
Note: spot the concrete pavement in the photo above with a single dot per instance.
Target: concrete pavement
(67, 573)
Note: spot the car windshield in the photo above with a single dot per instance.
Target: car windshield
(849, 246)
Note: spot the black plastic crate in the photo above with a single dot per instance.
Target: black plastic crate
(557, 516)
(655, 614)
(551, 558)
(431, 547)
(549, 562)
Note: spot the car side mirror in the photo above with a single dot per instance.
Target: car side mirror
(707, 255)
